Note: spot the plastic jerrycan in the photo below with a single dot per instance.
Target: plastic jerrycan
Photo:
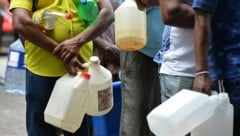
(221, 123)
(100, 100)
(67, 104)
(180, 114)
(130, 26)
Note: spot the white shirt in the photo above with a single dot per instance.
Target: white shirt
(179, 59)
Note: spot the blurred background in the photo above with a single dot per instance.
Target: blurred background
(12, 106)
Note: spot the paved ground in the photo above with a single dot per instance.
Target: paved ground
(12, 106)
(12, 114)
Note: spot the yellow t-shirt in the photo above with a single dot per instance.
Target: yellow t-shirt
(40, 61)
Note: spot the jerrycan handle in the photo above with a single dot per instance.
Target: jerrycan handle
(220, 86)
(85, 65)
(223, 96)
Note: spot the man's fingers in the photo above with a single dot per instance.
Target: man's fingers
(67, 58)
(80, 59)
(56, 51)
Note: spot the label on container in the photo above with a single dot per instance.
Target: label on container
(104, 99)
(16, 59)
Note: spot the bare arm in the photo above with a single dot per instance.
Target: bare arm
(103, 21)
(108, 48)
(202, 34)
(177, 13)
(70, 47)
(24, 26)
(29, 30)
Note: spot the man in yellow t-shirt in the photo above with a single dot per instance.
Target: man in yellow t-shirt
(45, 63)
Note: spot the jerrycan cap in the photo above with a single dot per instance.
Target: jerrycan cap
(94, 60)
(85, 75)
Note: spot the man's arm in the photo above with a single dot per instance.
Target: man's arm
(177, 13)
(102, 22)
(202, 34)
(30, 31)
(70, 47)
(109, 48)
(24, 25)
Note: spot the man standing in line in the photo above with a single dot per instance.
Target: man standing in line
(177, 55)
(139, 76)
(52, 52)
(106, 49)
(217, 49)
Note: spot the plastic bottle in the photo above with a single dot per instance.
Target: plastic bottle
(15, 75)
(180, 114)
(130, 26)
(221, 123)
(87, 9)
(67, 104)
(100, 99)
(46, 18)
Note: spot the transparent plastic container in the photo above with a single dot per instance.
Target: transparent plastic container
(15, 75)
(100, 100)
(180, 114)
(130, 26)
(87, 9)
(67, 104)
(46, 18)
(221, 123)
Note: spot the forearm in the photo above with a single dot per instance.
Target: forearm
(177, 13)
(106, 46)
(103, 21)
(24, 26)
(102, 43)
(202, 34)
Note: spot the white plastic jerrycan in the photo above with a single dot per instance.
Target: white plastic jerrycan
(67, 104)
(221, 123)
(130, 26)
(100, 100)
(180, 114)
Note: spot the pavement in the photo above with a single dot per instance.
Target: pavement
(12, 106)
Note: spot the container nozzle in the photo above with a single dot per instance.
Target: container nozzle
(94, 60)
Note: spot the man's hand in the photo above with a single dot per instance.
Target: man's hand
(142, 4)
(74, 64)
(202, 83)
(66, 50)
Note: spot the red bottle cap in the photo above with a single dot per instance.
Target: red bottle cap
(85, 75)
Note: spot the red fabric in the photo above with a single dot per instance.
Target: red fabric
(7, 25)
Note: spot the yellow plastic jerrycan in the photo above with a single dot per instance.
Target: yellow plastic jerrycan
(130, 26)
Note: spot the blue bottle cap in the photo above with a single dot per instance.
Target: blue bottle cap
(83, 1)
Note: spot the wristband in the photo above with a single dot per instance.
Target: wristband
(201, 72)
